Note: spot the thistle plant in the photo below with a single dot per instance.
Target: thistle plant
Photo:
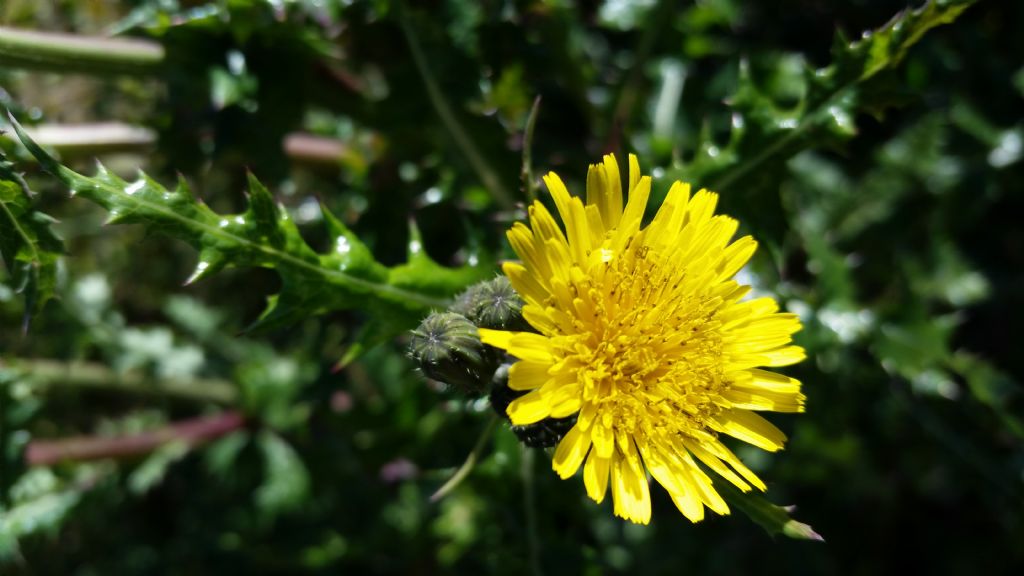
(329, 287)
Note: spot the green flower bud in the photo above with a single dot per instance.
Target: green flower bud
(544, 434)
(492, 304)
(447, 348)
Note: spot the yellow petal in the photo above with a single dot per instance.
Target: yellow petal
(665, 226)
(662, 467)
(570, 452)
(752, 429)
(497, 338)
(525, 283)
(564, 398)
(736, 256)
(531, 347)
(528, 375)
(522, 241)
(595, 225)
(784, 356)
(764, 400)
(612, 210)
(578, 232)
(537, 317)
(595, 476)
(635, 209)
(544, 224)
(690, 504)
(559, 193)
(528, 409)
(634, 172)
(712, 499)
(687, 496)
(772, 382)
(630, 491)
(604, 439)
(719, 450)
(716, 465)
(587, 415)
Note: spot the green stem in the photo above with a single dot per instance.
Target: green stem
(92, 139)
(723, 182)
(54, 374)
(530, 503)
(628, 92)
(485, 172)
(529, 182)
(78, 140)
(470, 462)
(70, 53)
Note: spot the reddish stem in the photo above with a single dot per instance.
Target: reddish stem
(82, 448)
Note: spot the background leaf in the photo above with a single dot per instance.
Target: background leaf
(28, 244)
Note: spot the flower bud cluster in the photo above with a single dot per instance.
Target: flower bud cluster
(446, 346)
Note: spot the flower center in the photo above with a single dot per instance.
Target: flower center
(647, 349)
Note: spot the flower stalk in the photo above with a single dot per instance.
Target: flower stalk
(73, 53)
(52, 374)
(84, 448)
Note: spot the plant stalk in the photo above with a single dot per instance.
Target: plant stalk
(484, 171)
(59, 52)
(529, 182)
(53, 374)
(84, 448)
(470, 462)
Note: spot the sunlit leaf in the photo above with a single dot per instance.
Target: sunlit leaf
(762, 131)
(345, 278)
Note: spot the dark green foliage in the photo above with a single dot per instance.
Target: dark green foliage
(880, 174)
(28, 244)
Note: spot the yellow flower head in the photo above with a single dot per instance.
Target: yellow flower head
(644, 336)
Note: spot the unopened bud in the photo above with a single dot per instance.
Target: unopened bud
(492, 304)
(447, 348)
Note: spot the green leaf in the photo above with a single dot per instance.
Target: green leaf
(915, 347)
(153, 469)
(993, 388)
(29, 246)
(345, 278)
(774, 519)
(286, 484)
(41, 504)
(763, 131)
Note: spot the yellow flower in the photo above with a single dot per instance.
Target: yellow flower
(643, 334)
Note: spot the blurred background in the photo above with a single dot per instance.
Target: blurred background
(883, 184)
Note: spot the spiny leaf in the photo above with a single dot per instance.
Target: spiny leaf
(347, 277)
(774, 519)
(28, 244)
(763, 131)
